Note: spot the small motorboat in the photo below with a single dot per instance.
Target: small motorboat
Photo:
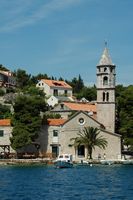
(64, 161)
(107, 162)
(127, 162)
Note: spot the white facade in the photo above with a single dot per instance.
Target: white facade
(52, 101)
(44, 87)
(5, 134)
(55, 88)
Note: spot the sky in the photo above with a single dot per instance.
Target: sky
(65, 38)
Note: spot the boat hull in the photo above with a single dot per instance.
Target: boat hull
(63, 164)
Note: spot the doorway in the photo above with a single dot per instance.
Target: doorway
(55, 151)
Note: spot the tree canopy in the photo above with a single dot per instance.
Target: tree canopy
(26, 119)
(124, 98)
(22, 78)
(3, 68)
(89, 137)
(5, 112)
(124, 120)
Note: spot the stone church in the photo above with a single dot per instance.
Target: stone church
(55, 137)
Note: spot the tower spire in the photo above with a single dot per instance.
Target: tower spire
(106, 91)
(105, 58)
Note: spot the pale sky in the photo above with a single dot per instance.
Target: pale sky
(66, 37)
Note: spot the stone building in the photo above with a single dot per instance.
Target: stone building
(7, 79)
(55, 100)
(55, 137)
(5, 134)
(106, 91)
(55, 88)
(65, 109)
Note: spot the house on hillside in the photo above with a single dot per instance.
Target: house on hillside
(55, 138)
(7, 79)
(5, 134)
(54, 100)
(65, 109)
(55, 88)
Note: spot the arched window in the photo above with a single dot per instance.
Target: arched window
(111, 69)
(105, 80)
(107, 96)
(103, 96)
(105, 69)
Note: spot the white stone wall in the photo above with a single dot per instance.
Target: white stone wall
(52, 101)
(43, 86)
(106, 115)
(5, 139)
(50, 90)
(70, 130)
(111, 95)
(61, 91)
(113, 149)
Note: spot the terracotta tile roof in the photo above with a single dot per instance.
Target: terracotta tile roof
(56, 122)
(81, 106)
(5, 122)
(54, 83)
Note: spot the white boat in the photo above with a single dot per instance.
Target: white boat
(127, 162)
(64, 161)
(107, 162)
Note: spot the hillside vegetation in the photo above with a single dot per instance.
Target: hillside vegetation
(124, 100)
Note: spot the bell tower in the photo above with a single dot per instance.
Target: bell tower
(106, 91)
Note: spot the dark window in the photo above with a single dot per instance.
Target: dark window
(107, 96)
(105, 80)
(105, 69)
(103, 96)
(55, 92)
(62, 106)
(55, 133)
(65, 92)
(1, 133)
(81, 150)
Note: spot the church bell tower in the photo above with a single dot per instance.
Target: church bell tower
(106, 91)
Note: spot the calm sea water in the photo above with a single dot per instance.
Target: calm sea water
(40, 183)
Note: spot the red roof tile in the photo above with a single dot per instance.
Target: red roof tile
(54, 83)
(56, 122)
(81, 106)
(5, 122)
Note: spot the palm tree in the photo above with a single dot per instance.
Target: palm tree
(89, 137)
